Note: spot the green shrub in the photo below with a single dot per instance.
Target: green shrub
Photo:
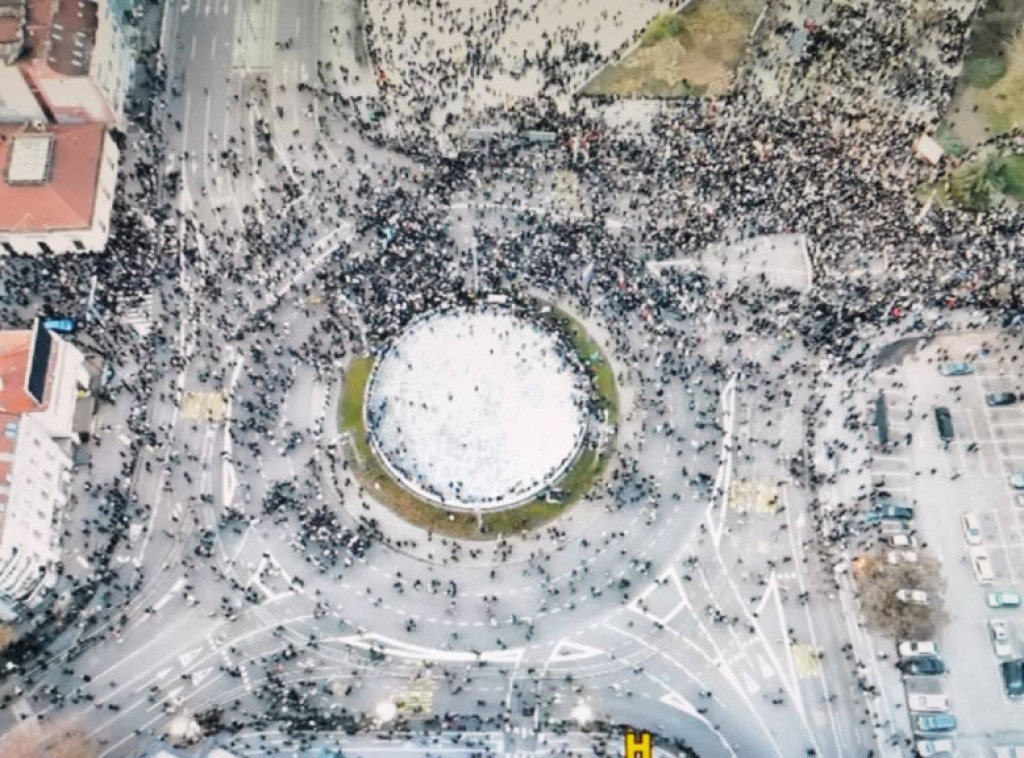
(952, 144)
(984, 72)
(662, 27)
(1011, 175)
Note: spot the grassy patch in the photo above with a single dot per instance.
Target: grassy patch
(662, 27)
(1002, 102)
(592, 355)
(378, 482)
(691, 53)
(1011, 175)
(950, 142)
(983, 72)
(974, 186)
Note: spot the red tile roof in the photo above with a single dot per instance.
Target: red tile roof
(72, 37)
(10, 29)
(37, 27)
(14, 354)
(67, 200)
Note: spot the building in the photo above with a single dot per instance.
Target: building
(46, 406)
(79, 54)
(56, 187)
(65, 70)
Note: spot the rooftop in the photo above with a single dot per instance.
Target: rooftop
(15, 347)
(28, 161)
(65, 199)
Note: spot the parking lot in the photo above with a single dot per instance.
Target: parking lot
(945, 479)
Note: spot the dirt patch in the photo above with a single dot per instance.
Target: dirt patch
(699, 57)
(990, 94)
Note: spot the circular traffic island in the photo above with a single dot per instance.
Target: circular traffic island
(481, 420)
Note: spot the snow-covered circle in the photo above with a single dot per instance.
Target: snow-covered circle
(476, 408)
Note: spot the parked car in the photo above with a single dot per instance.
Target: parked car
(1013, 677)
(917, 648)
(61, 324)
(981, 564)
(890, 511)
(995, 399)
(956, 368)
(935, 723)
(972, 528)
(1000, 634)
(1017, 481)
(1003, 599)
(912, 597)
(928, 665)
(935, 748)
(944, 423)
(901, 540)
(924, 703)
(896, 557)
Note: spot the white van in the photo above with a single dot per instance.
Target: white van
(982, 565)
(923, 703)
(972, 528)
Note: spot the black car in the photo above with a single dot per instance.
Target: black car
(927, 665)
(995, 399)
(945, 423)
(1013, 677)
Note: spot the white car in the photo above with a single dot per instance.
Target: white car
(901, 540)
(972, 528)
(981, 564)
(922, 703)
(1000, 638)
(896, 557)
(934, 748)
(912, 597)
(917, 649)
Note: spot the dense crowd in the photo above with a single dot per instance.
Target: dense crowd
(832, 160)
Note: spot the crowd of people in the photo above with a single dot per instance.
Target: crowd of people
(832, 159)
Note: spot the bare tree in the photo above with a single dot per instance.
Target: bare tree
(7, 636)
(46, 740)
(878, 581)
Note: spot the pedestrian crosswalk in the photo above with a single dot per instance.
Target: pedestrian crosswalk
(418, 697)
(137, 312)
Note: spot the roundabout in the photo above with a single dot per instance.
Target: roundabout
(481, 419)
(477, 408)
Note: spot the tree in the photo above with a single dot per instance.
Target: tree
(984, 72)
(7, 636)
(41, 739)
(878, 581)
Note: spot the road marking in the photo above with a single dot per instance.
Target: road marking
(175, 588)
(187, 657)
(566, 650)
(198, 676)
